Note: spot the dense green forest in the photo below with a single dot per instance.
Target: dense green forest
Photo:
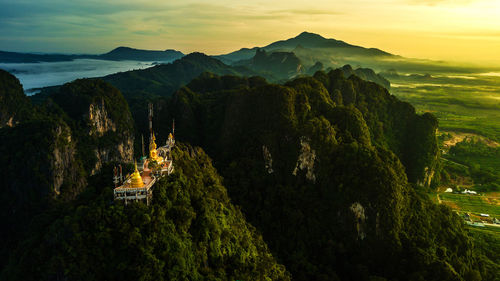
(165, 79)
(63, 223)
(48, 154)
(100, 120)
(213, 111)
(318, 165)
(14, 104)
(190, 232)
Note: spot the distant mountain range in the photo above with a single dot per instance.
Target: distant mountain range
(303, 42)
(164, 79)
(120, 53)
(275, 65)
(276, 62)
(311, 48)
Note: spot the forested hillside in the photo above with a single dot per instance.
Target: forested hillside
(48, 155)
(57, 200)
(14, 105)
(190, 232)
(328, 176)
(331, 171)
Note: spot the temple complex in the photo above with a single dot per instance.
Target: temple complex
(140, 184)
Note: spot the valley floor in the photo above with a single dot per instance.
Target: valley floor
(468, 109)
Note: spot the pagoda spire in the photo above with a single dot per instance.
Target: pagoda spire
(142, 144)
(150, 105)
(136, 179)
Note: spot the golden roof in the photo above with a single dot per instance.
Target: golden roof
(152, 144)
(170, 136)
(136, 179)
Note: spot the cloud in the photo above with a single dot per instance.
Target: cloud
(100, 21)
(307, 11)
(441, 2)
(476, 36)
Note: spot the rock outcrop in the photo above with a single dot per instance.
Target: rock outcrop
(40, 161)
(359, 214)
(64, 167)
(122, 151)
(101, 121)
(268, 159)
(306, 160)
(40, 166)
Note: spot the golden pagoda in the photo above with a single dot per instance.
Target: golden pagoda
(139, 186)
(136, 179)
(153, 154)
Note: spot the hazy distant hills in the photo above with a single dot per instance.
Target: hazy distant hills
(312, 48)
(308, 47)
(280, 66)
(305, 43)
(275, 65)
(13, 57)
(125, 53)
(164, 79)
(366, 74)
(120, 53)
(312, 40)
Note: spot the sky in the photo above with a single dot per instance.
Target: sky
(450, 30)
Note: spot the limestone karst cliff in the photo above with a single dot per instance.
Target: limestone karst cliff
(48, 155)
(100, 119)
(40, 166)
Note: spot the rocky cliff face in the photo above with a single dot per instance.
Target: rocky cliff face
(305, 160)
(100, 120)
(101, 124)
(64, 167)
(40, 161)
(40, 165)
(47, 156)
(122, 151)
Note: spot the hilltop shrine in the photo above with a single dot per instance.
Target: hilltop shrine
(139, 185)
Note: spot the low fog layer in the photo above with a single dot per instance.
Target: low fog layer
(37, 75)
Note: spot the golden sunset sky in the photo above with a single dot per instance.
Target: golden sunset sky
(461, 30)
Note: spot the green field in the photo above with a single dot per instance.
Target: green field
(464, 103)
(472, 203)
(477, 153)
(491, 230)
